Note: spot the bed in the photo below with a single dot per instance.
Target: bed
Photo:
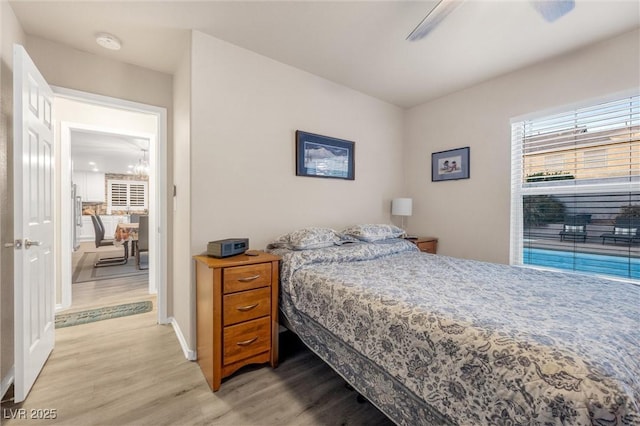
(431, 339)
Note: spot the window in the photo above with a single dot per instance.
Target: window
(128, 195)
(575, 189)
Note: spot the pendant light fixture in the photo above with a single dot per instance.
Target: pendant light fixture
(142, 168)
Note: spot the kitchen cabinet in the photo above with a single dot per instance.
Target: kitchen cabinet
(90, 186)
(86, 231)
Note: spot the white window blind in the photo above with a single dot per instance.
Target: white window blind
(127, 195)
(138, 195)
(118, 192)
(575, 188)
(595, 159)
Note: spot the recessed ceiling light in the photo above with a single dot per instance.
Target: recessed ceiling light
(130, 166)
(92, 163)
(108, 41)
(95, 169)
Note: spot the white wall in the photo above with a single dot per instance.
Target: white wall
(74, 69)
(10, 32)
(182, 291)
(471, 217)
(245, 109)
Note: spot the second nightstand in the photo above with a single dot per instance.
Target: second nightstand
(426, 244)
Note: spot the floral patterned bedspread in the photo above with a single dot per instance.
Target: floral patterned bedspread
(476, 343)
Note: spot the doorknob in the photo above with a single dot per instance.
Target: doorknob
(17, 244)
(28, 243)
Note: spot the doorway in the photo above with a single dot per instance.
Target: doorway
(81, 113)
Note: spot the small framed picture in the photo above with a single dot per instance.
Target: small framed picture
(450, 165)
(323, 156)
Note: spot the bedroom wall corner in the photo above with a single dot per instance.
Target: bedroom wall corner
(471, 217)
(182, 291)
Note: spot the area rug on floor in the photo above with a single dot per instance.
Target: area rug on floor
(86, 272)
(99, 314)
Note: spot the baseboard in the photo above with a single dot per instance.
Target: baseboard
(61, 307)
(6, 382)
(188, 353)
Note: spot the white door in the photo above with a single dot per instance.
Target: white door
(34, 271)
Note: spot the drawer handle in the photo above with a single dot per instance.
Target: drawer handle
(247, 279)
(247, 342)
(247, 308)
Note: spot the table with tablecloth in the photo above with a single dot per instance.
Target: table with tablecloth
(124, 233)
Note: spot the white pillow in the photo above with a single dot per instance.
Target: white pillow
(373, 232)
(307, 238)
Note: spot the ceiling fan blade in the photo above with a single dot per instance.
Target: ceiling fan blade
(552, 10)
(431, 21)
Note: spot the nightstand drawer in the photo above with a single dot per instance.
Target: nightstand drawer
(240, 278)
(425, 244)
(246, 305)
(427, 247)
(246, 339)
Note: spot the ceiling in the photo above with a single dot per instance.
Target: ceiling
(359, 44)
(106, 153)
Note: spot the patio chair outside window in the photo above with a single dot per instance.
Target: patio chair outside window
(574, 228)
(625, 229)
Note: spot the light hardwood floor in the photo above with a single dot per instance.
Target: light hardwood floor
(132, 371)
(94, 294)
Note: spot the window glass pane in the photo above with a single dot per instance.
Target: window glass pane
(586, 232)
(576, 190)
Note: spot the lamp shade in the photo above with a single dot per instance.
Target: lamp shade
(401, 206)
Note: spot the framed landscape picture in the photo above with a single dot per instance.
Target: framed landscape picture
(323, 156)
(450, 165)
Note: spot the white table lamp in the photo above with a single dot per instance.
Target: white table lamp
(402, 207)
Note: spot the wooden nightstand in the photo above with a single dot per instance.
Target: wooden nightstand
(236, 313)
(425, 244)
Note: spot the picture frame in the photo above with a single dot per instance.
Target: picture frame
(452, 164)
(324, 156)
